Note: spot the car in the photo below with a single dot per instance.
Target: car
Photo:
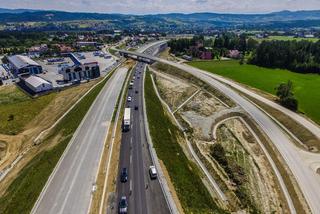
(123, 205)
(136, 107)
(124, 175)
(136, 92)
(153, 172)
(129, 99)
(138, 77)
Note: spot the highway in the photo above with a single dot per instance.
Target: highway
(144, 195)
(307, 178)
(69, 188)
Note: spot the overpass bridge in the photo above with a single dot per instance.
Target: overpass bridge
(141, 56)
(136, 56)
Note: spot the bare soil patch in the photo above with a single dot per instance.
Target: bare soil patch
(173, 90)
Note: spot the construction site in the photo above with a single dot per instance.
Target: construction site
(220, 138)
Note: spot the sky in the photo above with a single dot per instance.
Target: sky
(164, 6)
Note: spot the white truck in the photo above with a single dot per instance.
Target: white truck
(126, 119)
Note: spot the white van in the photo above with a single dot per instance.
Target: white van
(153, 172)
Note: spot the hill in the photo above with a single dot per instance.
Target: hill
(176, 21)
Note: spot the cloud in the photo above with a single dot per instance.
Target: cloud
(164, 6)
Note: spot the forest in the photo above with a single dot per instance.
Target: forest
(297, 56)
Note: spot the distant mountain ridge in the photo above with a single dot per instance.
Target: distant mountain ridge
(16, 11)
(287, 19)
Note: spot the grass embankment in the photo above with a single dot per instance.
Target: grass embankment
(18, 109)
(186, 178)
(25, 189)
(306, 86)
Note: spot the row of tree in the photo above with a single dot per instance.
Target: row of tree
(298, 56)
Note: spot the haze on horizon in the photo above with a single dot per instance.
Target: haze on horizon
(163, 6)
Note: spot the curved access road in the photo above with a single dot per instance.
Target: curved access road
(310, 125)
(306, 176)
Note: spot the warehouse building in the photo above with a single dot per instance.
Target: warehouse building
(37, 84)
(20, 64)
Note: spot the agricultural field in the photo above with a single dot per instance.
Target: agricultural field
(306, 86)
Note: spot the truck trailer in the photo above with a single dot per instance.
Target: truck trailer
(126, 120)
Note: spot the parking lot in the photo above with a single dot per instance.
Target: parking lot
(51, 69)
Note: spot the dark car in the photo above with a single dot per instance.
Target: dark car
(136, 92)
(124, 175)
(136, 107)
(123, 205)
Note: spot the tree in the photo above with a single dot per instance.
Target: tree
(243, 43)
(286, 97)
(252, 44)
(285, 90)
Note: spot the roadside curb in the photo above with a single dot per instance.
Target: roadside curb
(163, 183)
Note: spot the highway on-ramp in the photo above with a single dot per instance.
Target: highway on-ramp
(69, 188)
(307, 178)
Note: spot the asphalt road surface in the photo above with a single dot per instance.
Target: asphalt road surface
(69, 188)
(144, 195)
(306, 176)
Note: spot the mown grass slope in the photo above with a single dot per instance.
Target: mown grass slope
(17, 109)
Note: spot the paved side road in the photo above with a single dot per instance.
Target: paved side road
(69, 188)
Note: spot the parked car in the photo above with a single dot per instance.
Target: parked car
(124, 175)
(123, 205)
(153, 172)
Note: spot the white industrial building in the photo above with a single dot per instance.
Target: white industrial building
(20, 64)
(37, 84)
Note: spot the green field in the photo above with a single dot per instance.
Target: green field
(186, 178)
(18, 109)
(286, 38)
(306, 86)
